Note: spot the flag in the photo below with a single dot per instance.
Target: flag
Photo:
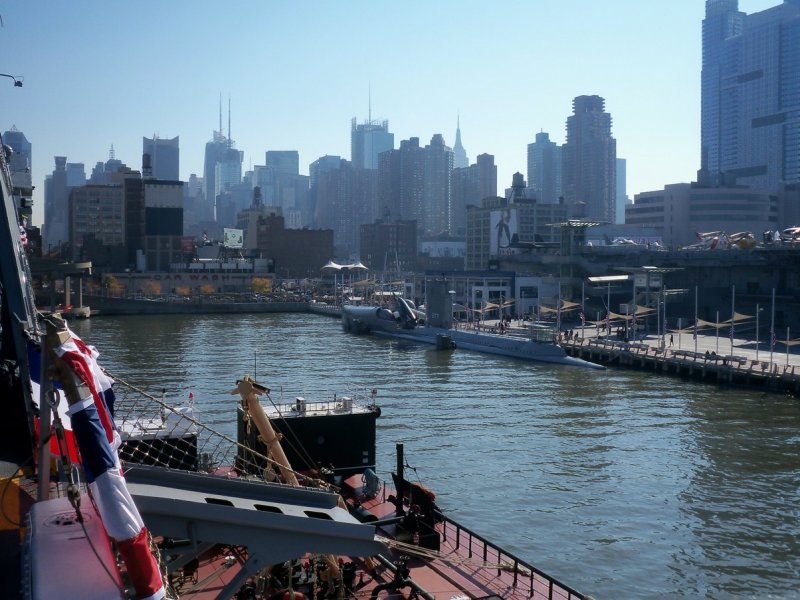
(694, 334)
(583, 318)
(94, 430)
(81, 361)
(772, 339)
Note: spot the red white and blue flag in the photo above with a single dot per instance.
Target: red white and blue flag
(93, 427)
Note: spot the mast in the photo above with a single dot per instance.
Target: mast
(249, 390)
(15, 280)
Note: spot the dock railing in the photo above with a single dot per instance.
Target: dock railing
(534, 582)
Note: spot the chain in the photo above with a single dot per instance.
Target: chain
(172, 593)
(73, 489)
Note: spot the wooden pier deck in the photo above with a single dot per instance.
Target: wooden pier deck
(741, 368)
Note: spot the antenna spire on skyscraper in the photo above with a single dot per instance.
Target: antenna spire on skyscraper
(111, 152)
(229, 120)
(460, 158)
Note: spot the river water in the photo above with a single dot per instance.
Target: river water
(619, 483)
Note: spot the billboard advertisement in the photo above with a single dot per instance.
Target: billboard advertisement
(503, 228)
(232, 238)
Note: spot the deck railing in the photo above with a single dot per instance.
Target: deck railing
(537, 583)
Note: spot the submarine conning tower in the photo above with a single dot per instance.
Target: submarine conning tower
(439, 304)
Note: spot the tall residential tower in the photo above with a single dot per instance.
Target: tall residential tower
(544, 169)
(750, 96)
(589, 159)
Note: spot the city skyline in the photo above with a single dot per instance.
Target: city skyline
(95, 77)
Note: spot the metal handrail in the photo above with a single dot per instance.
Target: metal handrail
(484, 546)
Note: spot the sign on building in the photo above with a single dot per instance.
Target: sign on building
(232, 238)
(503, 229)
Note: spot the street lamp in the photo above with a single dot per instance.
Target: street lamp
(627, 317)
(733, 314)
(583, 308)
(17, 82)
(758, 310)
(772, 330)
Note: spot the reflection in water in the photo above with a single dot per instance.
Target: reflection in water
(741, 501)
(623, 484)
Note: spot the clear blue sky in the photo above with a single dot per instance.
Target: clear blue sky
(102, 73)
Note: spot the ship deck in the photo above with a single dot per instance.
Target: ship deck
(464, 566)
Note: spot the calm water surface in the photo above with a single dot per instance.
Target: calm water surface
(621, 484)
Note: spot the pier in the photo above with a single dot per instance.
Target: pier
(743, 367)
(715, 360)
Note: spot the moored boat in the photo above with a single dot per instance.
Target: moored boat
(536, 342)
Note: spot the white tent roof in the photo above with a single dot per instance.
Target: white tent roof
(332, 265)
(337, 267)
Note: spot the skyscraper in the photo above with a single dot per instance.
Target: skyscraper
(215, 150)
(284, 161)
(622, 191)
(437, 187)
(471, 185)
(282, 185)
(544, 168)
(367, 141)
(164, 157)
(460, 160)
(750, 121)
(228, 170)
(19, 166)
(345, 200)
(222, 167)
(21, 148)
(589, 159)
(401, 174)
(56, 199)
(315, 169)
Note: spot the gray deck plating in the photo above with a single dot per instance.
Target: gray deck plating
(275, 522)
